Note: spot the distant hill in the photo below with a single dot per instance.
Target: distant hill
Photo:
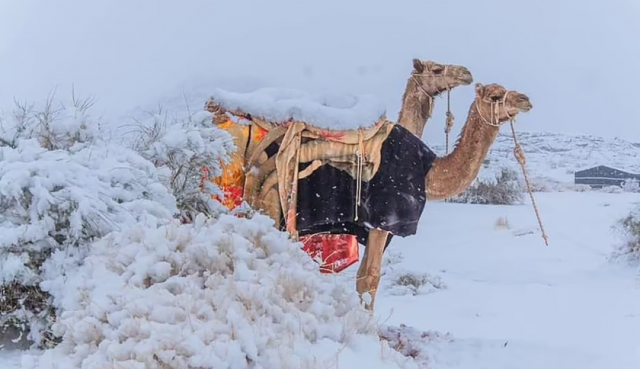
(557, 156)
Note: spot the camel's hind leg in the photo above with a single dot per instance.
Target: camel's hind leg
(368, 277)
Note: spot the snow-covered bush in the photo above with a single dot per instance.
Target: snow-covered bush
(540, 185)
(505, 189)
(398, 281)
(581, 188)
(611, 189)
(628, 247)
(61, 187)
(414, 283)
(631, 185)
(183, 143)
(216, 293)
(418, 345)
(547, 184)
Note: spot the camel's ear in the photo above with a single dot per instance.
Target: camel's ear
(418, 66)
(479, 88)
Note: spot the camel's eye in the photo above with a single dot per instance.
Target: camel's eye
(436, 70)
(495, 98)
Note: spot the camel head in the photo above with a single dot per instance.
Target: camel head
(435, 78)
(496, 104)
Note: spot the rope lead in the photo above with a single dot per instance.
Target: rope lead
(449, 122)
(522, 160)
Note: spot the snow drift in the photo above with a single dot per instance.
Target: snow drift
(334, 111)
(227, 293)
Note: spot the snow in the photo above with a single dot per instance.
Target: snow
(180, 140)
(565, 305)
(236, 293)
(96, 185)
(494, 297)
(329, 110)
(553, 158)
(509, 301)
(227, 293)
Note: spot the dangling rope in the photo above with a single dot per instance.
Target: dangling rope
(522, 160)
(518, 152)
(449, 122)
(360, 157)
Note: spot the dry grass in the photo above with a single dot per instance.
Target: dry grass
(502, 223)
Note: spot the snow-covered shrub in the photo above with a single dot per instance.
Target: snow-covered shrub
(392, 257)
(505, 189)
(61, 187)
(415, 344)
(54, 126)
(216, 293)
(548, 184)
(631, 185)
(581, 188)
(411, 282)
(540, 185)
(611, 189)
(628, 229)
(182, 143)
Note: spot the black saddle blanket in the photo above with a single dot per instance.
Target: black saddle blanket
(393, 200)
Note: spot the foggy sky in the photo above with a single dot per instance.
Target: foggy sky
(576, 60)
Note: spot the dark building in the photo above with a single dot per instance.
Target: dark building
(603, 176)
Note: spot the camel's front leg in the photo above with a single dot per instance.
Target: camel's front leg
(368, 277)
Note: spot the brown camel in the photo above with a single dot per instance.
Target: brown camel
(445, 177)
(452, 174)
(427, 81)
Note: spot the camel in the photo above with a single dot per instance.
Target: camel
(427, 81)
(378, 174)
(452, 174)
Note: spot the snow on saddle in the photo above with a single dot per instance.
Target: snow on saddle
(312, 163)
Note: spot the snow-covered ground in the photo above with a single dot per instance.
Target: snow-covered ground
(561, 306)
(507, 300)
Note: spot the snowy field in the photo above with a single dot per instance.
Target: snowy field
(561, 306)
(476, 288)
(506, 300)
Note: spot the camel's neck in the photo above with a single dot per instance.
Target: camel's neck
(452, 174)
(416, 109)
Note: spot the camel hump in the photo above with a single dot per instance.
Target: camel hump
(325, 111)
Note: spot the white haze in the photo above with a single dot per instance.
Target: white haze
(576, 60)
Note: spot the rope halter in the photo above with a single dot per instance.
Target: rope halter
(433, 77)
(450, 119)
(494, 119)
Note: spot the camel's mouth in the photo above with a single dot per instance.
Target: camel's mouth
(525, 107)
(523, 104)
(465, 78)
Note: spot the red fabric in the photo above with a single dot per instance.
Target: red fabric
(337, 251)
(232, 197)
